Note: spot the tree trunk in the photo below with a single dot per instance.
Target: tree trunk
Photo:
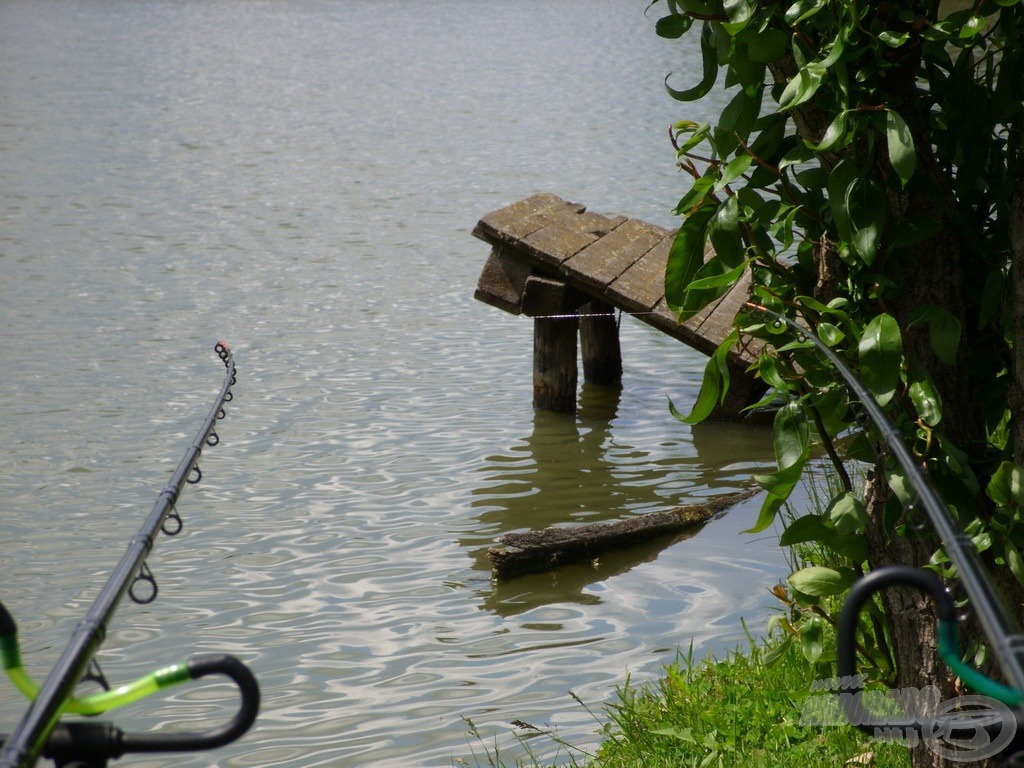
(1017, 288)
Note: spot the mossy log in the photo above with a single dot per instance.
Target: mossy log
(550, 548)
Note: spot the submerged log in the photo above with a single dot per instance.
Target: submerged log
(550, 548)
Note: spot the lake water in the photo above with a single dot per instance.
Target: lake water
(300, 179)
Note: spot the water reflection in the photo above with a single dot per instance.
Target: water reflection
(580, 468)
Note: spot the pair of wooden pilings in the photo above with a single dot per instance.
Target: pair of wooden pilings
(561, 316)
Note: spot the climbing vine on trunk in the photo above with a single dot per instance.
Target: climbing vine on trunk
(868, 170)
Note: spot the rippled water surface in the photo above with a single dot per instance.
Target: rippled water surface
(300, 178)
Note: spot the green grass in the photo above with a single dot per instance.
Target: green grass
(737, 710)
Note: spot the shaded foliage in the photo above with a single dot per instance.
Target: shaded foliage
(868, 169)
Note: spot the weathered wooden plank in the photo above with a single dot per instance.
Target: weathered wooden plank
(565, 236)
(664, 319)
(520, 219)
(545, 296)
(502, 281)
(642, 286)
(597, 265)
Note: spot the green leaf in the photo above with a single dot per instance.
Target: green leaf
(697, 196)
(974, 26)
(739, 11)
(840, 179)
(736, 168)
(802, 10)
(881, 353)
(901, 487)
(686, 256)
(766, 45)
(768, 370)
(892, 39)
(725, 279)
(943, 331)
(1006, 487)
(1014, 560)
(865, 207)
(679, 734)
(709, 56)
(777, 652)
(726, 237)
(779, 487)
(926, 401)
(901, 146)
(830, 334)
(714, 385)
(847, 514)
(835, 135)
(804, 529)
(818, 581)
(674, 26)
(812, 638)
(792, 435)
(802, 87)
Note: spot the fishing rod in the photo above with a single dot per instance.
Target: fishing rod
(998, 625)
(40, 733)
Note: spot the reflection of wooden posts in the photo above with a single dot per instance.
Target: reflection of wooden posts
(599, 344)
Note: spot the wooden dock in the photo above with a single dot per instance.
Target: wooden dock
(569, 269)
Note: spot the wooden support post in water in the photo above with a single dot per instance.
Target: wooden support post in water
(599, 343)
(553, 306)
(554, 363)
